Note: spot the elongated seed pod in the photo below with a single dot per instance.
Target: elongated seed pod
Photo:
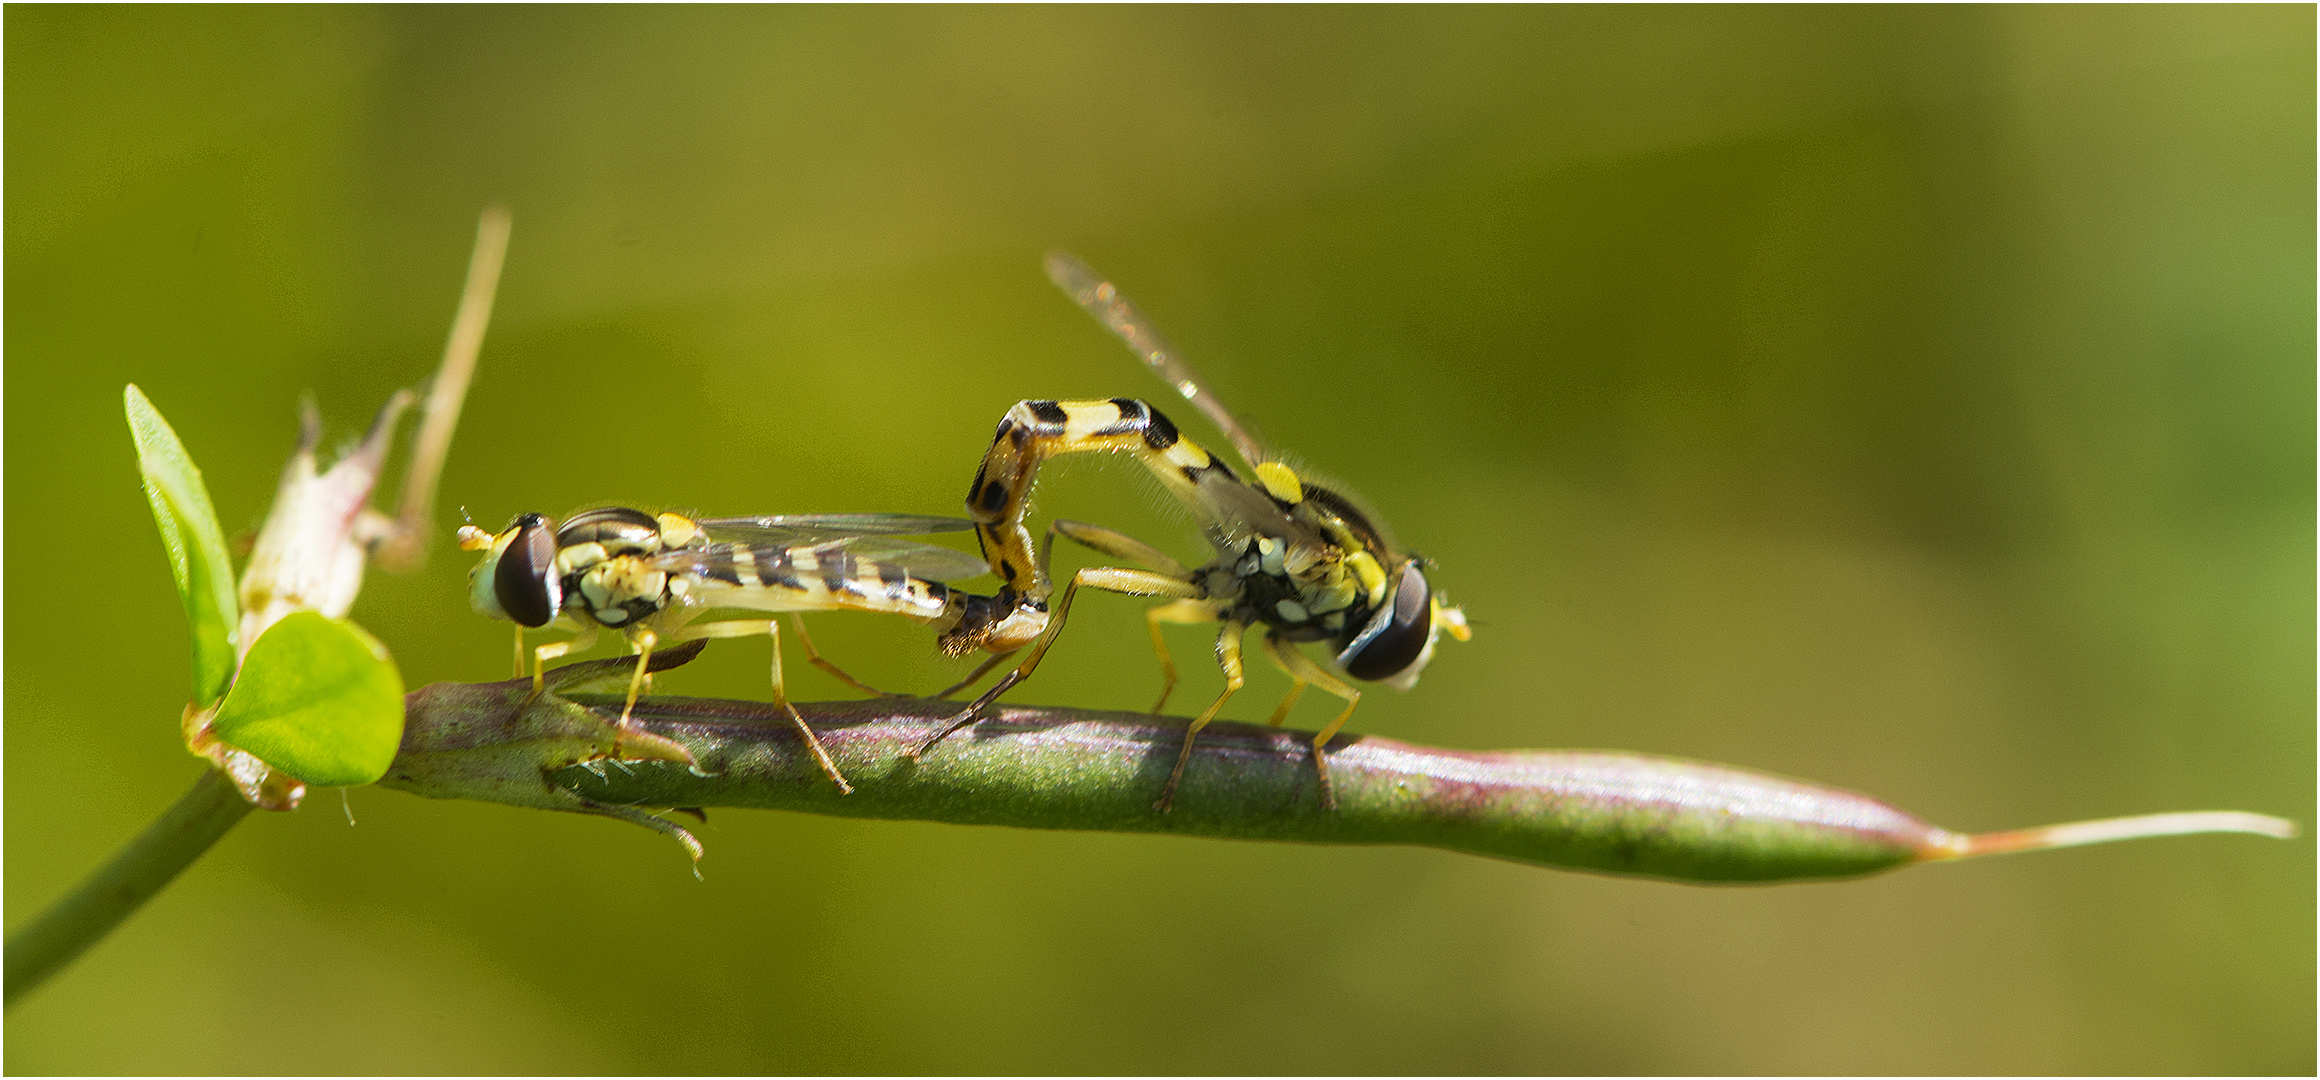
(1074, 769)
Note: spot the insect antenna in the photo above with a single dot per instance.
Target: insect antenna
(1102, 299)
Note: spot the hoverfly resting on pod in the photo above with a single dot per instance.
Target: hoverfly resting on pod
(652, 576)
(1297, 558)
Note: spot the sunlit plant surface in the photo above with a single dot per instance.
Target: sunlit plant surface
(1913, 400)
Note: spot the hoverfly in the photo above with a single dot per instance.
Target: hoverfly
(1298, 558)
(650, 577)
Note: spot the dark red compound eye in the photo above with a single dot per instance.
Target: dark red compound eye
(525, 581)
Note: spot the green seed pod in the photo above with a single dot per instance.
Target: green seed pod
(1036, 768)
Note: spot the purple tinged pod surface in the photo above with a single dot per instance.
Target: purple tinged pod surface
(1050, 768)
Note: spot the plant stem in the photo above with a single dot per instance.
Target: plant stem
(1051, 768)
(84, 916)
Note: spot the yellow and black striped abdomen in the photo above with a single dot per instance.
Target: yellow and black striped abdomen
(769, 578)
(1034, 431)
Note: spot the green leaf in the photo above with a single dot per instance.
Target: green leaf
(318, 699)
(197, 547)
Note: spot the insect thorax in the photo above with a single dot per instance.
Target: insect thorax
(1307, 595)
(619, 591)
(602, 557)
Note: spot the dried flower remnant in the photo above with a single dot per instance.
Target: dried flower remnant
(321, 531)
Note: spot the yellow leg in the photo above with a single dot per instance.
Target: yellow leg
(1104, 578)
(1100, 539)
(1118, 545)
(735, 628)
(554, 649)
(1228, 656)
(520, 656)
(644, 676)
(1281, 714)
(1182, 612)
(645, 641)
(797, 622)
(1167, 663)
(813, 742)
(1304, 670)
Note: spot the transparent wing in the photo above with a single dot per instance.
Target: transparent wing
(1233, 511)
(1102, 299)
(928, 562)
(791, 530)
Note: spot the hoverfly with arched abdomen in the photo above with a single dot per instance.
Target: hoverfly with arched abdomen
(1295, 557)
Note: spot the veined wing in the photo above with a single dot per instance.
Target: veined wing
(1102, 299)
(927, 562)
(788, 530)
(1233, 511)
(876, 537)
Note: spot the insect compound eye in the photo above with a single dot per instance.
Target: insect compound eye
(1397, 635)
(525, 582)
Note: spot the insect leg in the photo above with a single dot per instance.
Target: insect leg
(797, 622)
(645, 641)
(781, 697)
(977, 675)
(1288, 701)
(1182, 612)
(655, 822)
(1304, 670)
(554, 649)
(1118, 545)
(1228, 656)
(1122, 546)
(735, 628)
(1105, 578)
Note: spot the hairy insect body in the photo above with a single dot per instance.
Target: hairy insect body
(1292, 556)
(650, 577)
(1295, 558)
(603, 558)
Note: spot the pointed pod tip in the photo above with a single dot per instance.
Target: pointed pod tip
(1948, 845)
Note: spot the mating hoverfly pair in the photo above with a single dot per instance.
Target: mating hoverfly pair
(1299, 559)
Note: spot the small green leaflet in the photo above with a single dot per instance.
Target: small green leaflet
(197, 547)
(318, 699)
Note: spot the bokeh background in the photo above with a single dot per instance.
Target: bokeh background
(1916, 400)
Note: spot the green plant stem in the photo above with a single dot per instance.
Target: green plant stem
(1053, 768)
(84, 916)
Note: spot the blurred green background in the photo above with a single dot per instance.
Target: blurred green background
(1915, 400)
